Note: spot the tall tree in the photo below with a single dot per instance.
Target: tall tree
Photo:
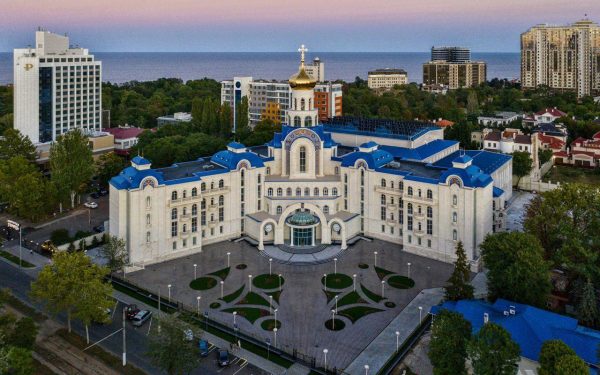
(522, 164)
(551, 352)
(450, 334)
(459, 286)
(472, 102)
(168, 350)
(108, 166)
(492, 351)
(587, 304)
(242, 130)
(115, 253)
(71, 164)
(225, 120)
(73, 284)
(571, 365)
(516, 267)
(13, 143)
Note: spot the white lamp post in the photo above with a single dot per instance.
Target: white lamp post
(222, 282)
(354, 282)
(325, 276)
(195, 267)
(333, 320)
(336, 301)
(325, 351)
(397, 341)
(366, 369)
(383, 288)
(408, 264)
(279, 283)
(275, 337)
(375, 254)
(335, 266)
(234, 315)
(198, 305)
(270, 304)
(250, 282)
(169, 287)
(420, 314)
(270, 264)
(275, 317)
(228, 254)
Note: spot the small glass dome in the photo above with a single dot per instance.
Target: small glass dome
(302, 218)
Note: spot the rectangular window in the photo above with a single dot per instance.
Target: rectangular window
(383, 229)
(194, 224)
(429, 226)
(173, 228)
(221, 214)
(383, 213)
(401, 216)
(409, 224)
(221, 229)
(174, 245)
(184, 243)
(194, 241)
(203, 218)
(428, 243)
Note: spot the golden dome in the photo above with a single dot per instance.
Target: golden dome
(302, 80)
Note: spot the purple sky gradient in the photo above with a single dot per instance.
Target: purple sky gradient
(280, 25)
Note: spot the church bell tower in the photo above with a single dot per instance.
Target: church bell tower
(302, 112)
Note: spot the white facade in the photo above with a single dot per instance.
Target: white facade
(316, 184)
(57, 88)
(386, 78)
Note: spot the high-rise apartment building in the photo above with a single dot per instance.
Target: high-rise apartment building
(451, 54)
(565, 58)
(386, 78)
(57, 88)
(271, 99)
(316, 69)
(454, 75)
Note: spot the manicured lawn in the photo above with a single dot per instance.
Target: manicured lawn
(355, 313)
(253, 299)
(266, 281)
(390, 304)
(371, 295)
(330, 295)
(233, 296)
(363, 266)
(336, 325)
(269, 324)
(400, 282)
(221, 274)
(350, 299)
(215, 305)
(203, 283)
(15, 259)
(382, 273)
(275, 295)
(563, 174)
(337, 281)
(250, 313)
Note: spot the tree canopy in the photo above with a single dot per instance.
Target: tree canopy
(522, 164)
(450, 334)
(108, 166)
(169, 350)
(13, 143)
(459, 286)
(492, 351)
(551, 352)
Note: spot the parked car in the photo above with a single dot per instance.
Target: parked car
(131, 311)
(48, 247)
(141, 317)
(94, 195)
(223, 357)
(102, 192)
(203, 346)
(7, 233)
(188, 335)
(91, 204)
(99, 228)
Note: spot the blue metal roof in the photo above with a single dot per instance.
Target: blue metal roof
(369, 144)
(230, 160)
(497, 192)
(319, 130)
(488, 161)
(421, 152)
(463, 159)
(374, 159)
(529, 327)
(236, 145)
(140, 160)
(378, 127)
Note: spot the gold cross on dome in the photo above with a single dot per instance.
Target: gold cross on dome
(302, 50)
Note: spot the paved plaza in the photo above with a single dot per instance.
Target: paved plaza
(303, 308)
(515, 213)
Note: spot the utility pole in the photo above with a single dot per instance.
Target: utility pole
(124, 341)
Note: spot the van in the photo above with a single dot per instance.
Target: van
(141, 317)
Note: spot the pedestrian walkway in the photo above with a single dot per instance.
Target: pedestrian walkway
(383, 346)
(28, 255)
(298, 369)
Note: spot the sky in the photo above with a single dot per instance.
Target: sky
(281, 25)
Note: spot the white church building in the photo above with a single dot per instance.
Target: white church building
(316, 184)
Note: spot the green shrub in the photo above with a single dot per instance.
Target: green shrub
(71, 247)
(60, 237)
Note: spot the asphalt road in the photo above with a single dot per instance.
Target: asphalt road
(19, 283)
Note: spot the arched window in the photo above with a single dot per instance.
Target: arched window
(454, 235)
(298, 192)
(221, 183)
(306, 192)
(410, 190)
(401, 185)
(326, 210)
(325, 191)
(419, 210)
(383, 182)
(174, 214)
(174, 195)
(336, 170)
(429, 212)
(297, 121)
(212, 201)
(148, 222)
(345, 178)
(184, 228)
(221, 200)
(302, 104)
(383, 199)
(295, 104)
(203, 204)
(303, 159)
(309, 104)
(212, 185)
(454, 217)
(147, 237)
(316, 192)
(454, 200)
(279, 210)
(270, 192)
(194, 192)
(279, 192)
(184, 193)
(409, 209)
(429, 194)
(268, 171)
(288, 192)
(148, 202)
(419, 193)
(259, 178)
(308, 121)
(392, 184)
(334, 192)
(184, 211)
(203, 186)
(194, 209)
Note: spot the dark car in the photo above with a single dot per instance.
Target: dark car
(94, 195)
(7, 233)
(223, 357)
(103, 192)
(131, 311)
(203, 346)
(99, 228)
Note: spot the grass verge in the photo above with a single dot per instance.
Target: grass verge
(250, 313)
(337, 281)
(382, 273)
(355, 313)
(266, 281)
(203, 283)
(401, 282)
(371, 295)
(221, 274)
(269, 324)
(336, 325)
(350, 299)
(15, 259)
(233, 296)
(9, 299)
(253, 299)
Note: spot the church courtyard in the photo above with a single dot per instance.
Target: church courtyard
(235, 282)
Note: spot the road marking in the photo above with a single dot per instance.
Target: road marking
(149, 326)
(241, 367)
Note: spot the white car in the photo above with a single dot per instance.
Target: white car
(91, 204)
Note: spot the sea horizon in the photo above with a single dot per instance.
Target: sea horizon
(121, 67)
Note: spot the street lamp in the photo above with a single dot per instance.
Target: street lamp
(354, 282)
(333, 320)
(234, 315)
(397, 341)
(279, 283)
(228, 254)
(250, 282)
(275, 337)
(375, 253)
(382, 288)
(420, 314)
(275, 316)
(198, 305)
(325, 276)
(222, 282)
(270, 304)
(335, 266)
(336, 300)
(408, 264)
(366, 369)
(169, 287)
(195, 268)
(270, 264)
(325, 351)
